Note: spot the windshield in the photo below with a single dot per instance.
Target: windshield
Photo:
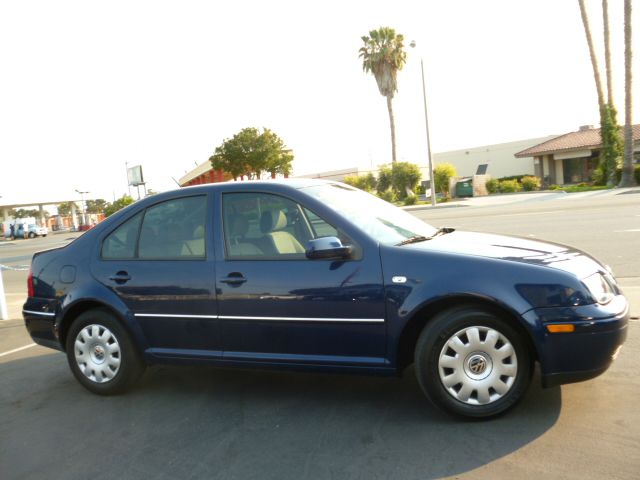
(380, 220)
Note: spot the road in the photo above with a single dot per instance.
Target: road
(200, 422)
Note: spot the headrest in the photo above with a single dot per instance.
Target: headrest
(272, 220)
(198, 232)
(238, 225)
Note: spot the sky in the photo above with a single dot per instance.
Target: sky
(87, 87)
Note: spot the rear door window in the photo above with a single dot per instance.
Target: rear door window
(171, 230)
(121, 243)
(174, 230)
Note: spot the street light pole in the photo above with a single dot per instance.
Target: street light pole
(432, 182)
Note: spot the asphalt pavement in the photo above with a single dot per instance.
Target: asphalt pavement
(201, 422)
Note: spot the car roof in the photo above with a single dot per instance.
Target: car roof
(278, 185)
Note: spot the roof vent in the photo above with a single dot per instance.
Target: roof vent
(584, 128)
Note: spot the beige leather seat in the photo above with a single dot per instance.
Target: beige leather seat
(195, 246)
(238, 246)
(272, 224)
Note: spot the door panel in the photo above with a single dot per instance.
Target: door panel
(157, 263)
(277, 305)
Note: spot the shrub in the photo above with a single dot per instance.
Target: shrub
(492, 185)
(404, 176)
(351, 180)
(598, 176)
(366, 182)
(513, 177)
(441, 175)
(530, 183)
(384, 179)
(509, 186)
(410, 200)
(636, 172)
(387, 196)
(555, 187)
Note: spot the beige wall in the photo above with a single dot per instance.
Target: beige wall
(500, 157)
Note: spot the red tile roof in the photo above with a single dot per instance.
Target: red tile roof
(579, 140)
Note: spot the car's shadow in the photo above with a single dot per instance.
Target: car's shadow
(200, 422)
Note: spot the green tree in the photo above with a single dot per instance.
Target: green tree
(24, 213)
(383, 55)
(64, 209)
(441, 175)
(251, 152)
(405, 177)
(628, 179)
(96, 206)
(118, 204)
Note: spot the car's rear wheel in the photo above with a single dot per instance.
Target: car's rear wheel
(472, 363)
(32, 235)
(101, 354)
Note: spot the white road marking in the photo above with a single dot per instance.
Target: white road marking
(626, 231)
(17, 349)
(529, 213)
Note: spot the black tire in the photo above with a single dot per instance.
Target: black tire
(499, 382)
(111, 361)
(32, 235)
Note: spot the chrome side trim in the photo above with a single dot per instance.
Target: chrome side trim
(272, 319)
(46, 314)
(172, 315)
(305, 319)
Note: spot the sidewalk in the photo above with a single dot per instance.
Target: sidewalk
(522, 197)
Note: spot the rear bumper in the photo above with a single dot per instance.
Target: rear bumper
(600, 331)
(40, 320)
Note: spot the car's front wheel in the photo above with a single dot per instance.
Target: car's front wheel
(472, 363)
(32, 235)
(101, 354)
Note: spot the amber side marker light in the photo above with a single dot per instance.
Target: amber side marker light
(561, 328)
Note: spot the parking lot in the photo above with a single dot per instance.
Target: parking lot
(202, 422)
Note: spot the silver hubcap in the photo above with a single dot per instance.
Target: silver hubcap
(97, 353)
(477, 365)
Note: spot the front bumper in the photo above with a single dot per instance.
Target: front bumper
(600, 331)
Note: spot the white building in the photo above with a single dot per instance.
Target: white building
(499, 158)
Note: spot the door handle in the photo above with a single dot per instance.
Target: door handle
(120, 277)
(235, 278)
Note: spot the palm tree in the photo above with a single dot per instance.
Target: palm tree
(383, 55)
(592, 54)
(628, 178)
(607, 51)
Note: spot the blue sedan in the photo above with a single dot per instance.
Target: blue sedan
(321, 276)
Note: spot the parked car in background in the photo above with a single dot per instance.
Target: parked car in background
(321, 276)
(18, 231)
(34, 230)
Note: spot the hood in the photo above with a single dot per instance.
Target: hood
(514, 249)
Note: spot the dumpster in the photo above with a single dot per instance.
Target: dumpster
(464, 187)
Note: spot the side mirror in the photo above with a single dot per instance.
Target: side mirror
(327, 248)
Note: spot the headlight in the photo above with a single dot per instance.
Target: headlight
(599, 287)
